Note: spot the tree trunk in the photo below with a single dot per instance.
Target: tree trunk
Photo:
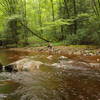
(40, 17)
(75, 14)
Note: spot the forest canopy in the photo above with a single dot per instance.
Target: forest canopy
(60, 21)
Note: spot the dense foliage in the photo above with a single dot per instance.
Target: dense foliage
(66, 21)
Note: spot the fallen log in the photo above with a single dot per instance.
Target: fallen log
(34, 33)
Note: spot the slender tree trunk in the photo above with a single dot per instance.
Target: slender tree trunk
(53, 15)
(99, 3)
(75, 14)
(67, 9)
(95, 6)
(40, 17)
(25, 22)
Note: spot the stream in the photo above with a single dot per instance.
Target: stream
(48, 82)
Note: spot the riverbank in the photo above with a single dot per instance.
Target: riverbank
(90, 54)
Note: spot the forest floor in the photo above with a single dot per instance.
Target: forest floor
(90, 54)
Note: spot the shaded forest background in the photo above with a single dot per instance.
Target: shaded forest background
(31, 22)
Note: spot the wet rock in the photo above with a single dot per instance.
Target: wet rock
(81, 64)
(1, 67)
(89, 53)
(2, 96)
(23, 65)
(50, 57)
(78, 53)
(70, 61)
(31, 65)
(98, 60)
(94, 65)
(71, 64)
(98, 53)
(9, 68)
(63, 58)
(59, 65)
(62, 64)
(55, 64)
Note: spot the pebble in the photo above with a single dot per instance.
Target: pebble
(50, 57)
(98, 60)
(63, 58)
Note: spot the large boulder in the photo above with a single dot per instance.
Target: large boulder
(23, 65)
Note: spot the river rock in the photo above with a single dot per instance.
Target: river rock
(63, 58)
(1, 67)
(50, 57)
(78, 53)
(95, 65)
(62, 64)
(98, 60)
(23, 65)
(9, 68)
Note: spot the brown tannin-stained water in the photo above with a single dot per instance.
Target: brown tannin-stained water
(48, 82)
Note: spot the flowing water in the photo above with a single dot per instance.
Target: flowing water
(48, 82)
